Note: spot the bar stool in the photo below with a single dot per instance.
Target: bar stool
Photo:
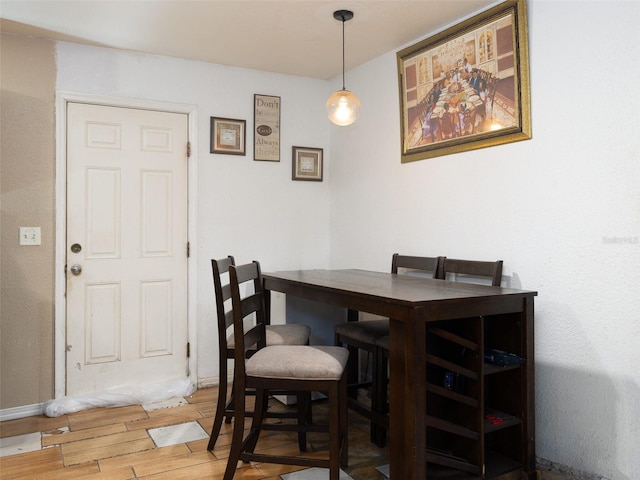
(301, 368)
(288, 334)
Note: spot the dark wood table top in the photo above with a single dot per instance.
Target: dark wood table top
(379, 287)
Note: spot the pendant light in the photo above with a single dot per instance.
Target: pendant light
(343, 106)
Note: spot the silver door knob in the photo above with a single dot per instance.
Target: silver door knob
(76, 269)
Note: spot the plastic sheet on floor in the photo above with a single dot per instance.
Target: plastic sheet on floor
(119, 397)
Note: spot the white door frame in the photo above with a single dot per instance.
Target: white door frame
(60, 328)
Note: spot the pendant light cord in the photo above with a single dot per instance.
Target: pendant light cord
(343, 53)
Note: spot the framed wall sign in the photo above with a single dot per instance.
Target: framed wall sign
(466, 87)
(307, 164)
(228, 136)
(266, 123)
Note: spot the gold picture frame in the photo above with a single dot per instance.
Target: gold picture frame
(228, 136)
(466, 87)
(307, 164)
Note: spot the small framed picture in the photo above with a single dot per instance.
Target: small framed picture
(307, 164)
(228, 136)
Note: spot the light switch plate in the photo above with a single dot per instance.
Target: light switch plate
(30, 236)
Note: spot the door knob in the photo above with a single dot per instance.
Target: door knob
(76, 269)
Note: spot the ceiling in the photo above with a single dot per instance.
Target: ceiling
(296, 37)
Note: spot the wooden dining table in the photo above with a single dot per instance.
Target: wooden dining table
(412, 303)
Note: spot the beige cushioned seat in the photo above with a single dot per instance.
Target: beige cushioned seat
(298, 362)
(289, 334)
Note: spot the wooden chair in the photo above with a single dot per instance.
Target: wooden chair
(291, 334)
(301, 368)
(364, 335)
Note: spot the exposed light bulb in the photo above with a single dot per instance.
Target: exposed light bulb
(343, 107)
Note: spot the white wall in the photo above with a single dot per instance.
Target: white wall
(549, 207)
(252, 210)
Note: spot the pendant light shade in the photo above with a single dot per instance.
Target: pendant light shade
(343, 106)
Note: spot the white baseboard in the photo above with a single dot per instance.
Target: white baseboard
(21, 412)
(38, 408)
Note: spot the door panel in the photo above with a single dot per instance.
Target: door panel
(126, 247)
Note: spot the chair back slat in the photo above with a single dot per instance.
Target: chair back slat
(253, 336)
(247, 300)
(222, 292)
(251, 304)
(474, 268)
(226, 292)
(424, 264)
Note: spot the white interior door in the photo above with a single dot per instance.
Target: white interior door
(126, 247)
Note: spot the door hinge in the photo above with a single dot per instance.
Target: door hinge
(188, 350)
(188, 149)
(188, 249)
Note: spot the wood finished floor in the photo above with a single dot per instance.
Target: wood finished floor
(114, 444)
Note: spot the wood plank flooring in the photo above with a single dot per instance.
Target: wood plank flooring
(115, 444)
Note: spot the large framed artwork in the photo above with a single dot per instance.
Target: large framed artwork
(466, 87)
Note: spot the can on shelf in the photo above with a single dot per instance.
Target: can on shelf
(449, 378)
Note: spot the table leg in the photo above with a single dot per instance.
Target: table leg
(528, 393)
(353, 367)
(407, 444)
